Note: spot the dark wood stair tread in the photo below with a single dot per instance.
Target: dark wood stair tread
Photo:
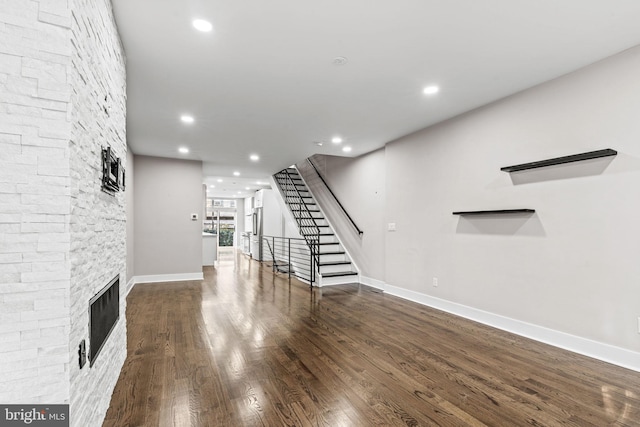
(340, 274)
(322, 264)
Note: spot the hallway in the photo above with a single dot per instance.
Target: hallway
(247, 348)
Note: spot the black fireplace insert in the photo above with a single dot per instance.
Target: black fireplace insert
(104, 311)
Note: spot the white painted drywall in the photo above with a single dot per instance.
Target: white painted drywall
(130, 201)
(272, 219)
(359, 185)
(167, 241)
(240, 217)
(572, 266)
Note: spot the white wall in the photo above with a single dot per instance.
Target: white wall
(272, 219)
(62, 238)
(98, 220)
(359, 185)
(130, 194)
(167, 241)
(240, 219)
(35, 202)
(567, 274)
(573, 265)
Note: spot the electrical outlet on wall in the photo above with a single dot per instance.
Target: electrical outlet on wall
(639, 325)
(435, 282)
(82, 354)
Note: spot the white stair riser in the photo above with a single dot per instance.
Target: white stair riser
(328, 281)
(328, 239)
(335, 268)
(303, 213)
(300, 192)
(294, 198)
(330, 248)
(299, 210)
(333, 257)
(311, 225)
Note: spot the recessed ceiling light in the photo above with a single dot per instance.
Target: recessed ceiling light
(336, 140)
(247, 188)
(430, 90)
(259, 182)
(254, 157)
(183, 150)
(236, 173)
(346, 149)
(202, 25)
(187, 118)
(212, 186)
(219, 179)
(318, 143)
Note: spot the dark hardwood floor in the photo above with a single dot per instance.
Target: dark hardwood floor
(248, 348)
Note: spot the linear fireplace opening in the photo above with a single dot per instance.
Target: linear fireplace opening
(104, 312)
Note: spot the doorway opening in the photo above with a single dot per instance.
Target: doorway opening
(226, 228)
(222, 221)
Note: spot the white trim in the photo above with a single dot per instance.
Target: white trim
(333, 229)
(374, 283)
(154, 278)
(337, 280)
(130, 284)
(594, 349)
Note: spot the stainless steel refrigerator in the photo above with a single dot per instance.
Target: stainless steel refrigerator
(256, 234)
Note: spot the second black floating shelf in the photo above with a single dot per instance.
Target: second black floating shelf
(560, 160)
(499, 211)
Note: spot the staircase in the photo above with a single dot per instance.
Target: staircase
(333, 263)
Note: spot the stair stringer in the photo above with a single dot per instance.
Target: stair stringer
(320, 280)
(351, 238)
(326, 281)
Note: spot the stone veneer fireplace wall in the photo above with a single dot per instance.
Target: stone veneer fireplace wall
(98, 219)
(62, 75)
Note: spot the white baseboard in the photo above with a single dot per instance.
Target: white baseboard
(181, 277)
(130, 284)
(594, 349)
(374, 283)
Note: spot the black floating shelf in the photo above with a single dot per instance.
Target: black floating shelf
(560, 160)
(500, 211)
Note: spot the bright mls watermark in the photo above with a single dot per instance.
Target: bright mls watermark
(34, 415)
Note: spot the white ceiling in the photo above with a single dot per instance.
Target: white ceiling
(263, 81)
